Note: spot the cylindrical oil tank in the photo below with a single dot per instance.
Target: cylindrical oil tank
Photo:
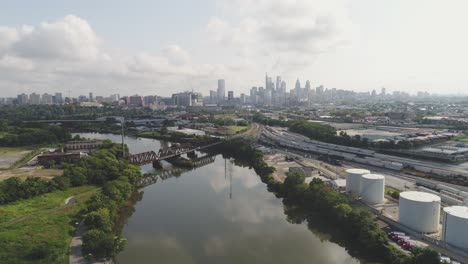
(420, 211)
(353, 180)
(455, 226)
(372, 188)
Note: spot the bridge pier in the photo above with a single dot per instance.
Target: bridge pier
(157, 164)
(192, 155)
(181, 162)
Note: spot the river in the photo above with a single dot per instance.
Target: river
(218, 213)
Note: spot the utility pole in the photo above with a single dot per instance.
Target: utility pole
(122, 124)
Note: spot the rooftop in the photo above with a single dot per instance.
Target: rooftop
(458, 211)
(420, 196)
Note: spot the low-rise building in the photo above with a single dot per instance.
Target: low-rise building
(83, 145)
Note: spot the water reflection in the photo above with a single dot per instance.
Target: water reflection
(191, 219)
(219, 214)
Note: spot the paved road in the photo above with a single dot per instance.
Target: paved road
(76, 256)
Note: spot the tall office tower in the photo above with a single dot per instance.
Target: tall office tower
(319, 90)
(243, 98)
(91, 98)
(269, 82)
(221, 90)
(22, 99)
(34, 99)
(297, 89)
(271, 85)
(267, 97)
(82, 98)
(58, 98)
(298, 85)
(253, 95)
(114, 98)
(307, 85)
(230, 95)
(283, 87)
(383, 92)
(278, 83)
(47, 99)
(213, 97)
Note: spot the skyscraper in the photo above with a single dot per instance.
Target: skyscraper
(383, 92)
(91, 98)
(22, 99)
(230, 95)
(297, 89)
(58, 99)
(46, 99)
(278, 82)
(213, 97)
(298, 85)
(221, 91)
(34, 99)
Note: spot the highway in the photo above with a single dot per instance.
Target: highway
(290, 140)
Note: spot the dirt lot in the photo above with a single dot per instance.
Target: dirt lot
(9, 155)
(25, 172)
(282, 166)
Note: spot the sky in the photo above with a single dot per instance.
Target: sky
(152, 47)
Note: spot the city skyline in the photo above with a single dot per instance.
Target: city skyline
(74, 46)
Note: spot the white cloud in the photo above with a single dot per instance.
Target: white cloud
(68, 55)
(67, 38)
(253, 37)
(294, 30)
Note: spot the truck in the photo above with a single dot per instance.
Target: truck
(394, 235)
(408, 244)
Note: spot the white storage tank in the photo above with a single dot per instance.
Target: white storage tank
(373, 188)
(353, 180)
(455, 226)
(420, 211)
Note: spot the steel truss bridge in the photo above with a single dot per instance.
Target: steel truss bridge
(166, 153)
(151, 178)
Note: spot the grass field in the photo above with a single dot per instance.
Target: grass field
(24, 173)
(462, 138)
(8, 156)
(39, 230)
(238, 129)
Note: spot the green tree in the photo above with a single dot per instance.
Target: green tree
(99, 219)
(98, 244)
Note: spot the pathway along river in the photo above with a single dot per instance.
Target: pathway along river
(209, 216)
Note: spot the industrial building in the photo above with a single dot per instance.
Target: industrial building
(420, 211)
(447, 153)
(373, 188)
(85, 144)
(455, 226)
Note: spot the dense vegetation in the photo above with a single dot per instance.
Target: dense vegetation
(356, 225)
(33, 134)
(38, 230)
(102, 168)
(19, 113)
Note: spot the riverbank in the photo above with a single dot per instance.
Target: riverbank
(357, 226)
(38, 230)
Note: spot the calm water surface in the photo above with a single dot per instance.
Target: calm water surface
(219, 213)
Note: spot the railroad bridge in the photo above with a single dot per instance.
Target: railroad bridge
(169, 153)
(151, 178)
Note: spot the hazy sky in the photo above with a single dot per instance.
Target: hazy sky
(159, 47)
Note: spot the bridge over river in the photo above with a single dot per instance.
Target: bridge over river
(171, 154)
(153, 177)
